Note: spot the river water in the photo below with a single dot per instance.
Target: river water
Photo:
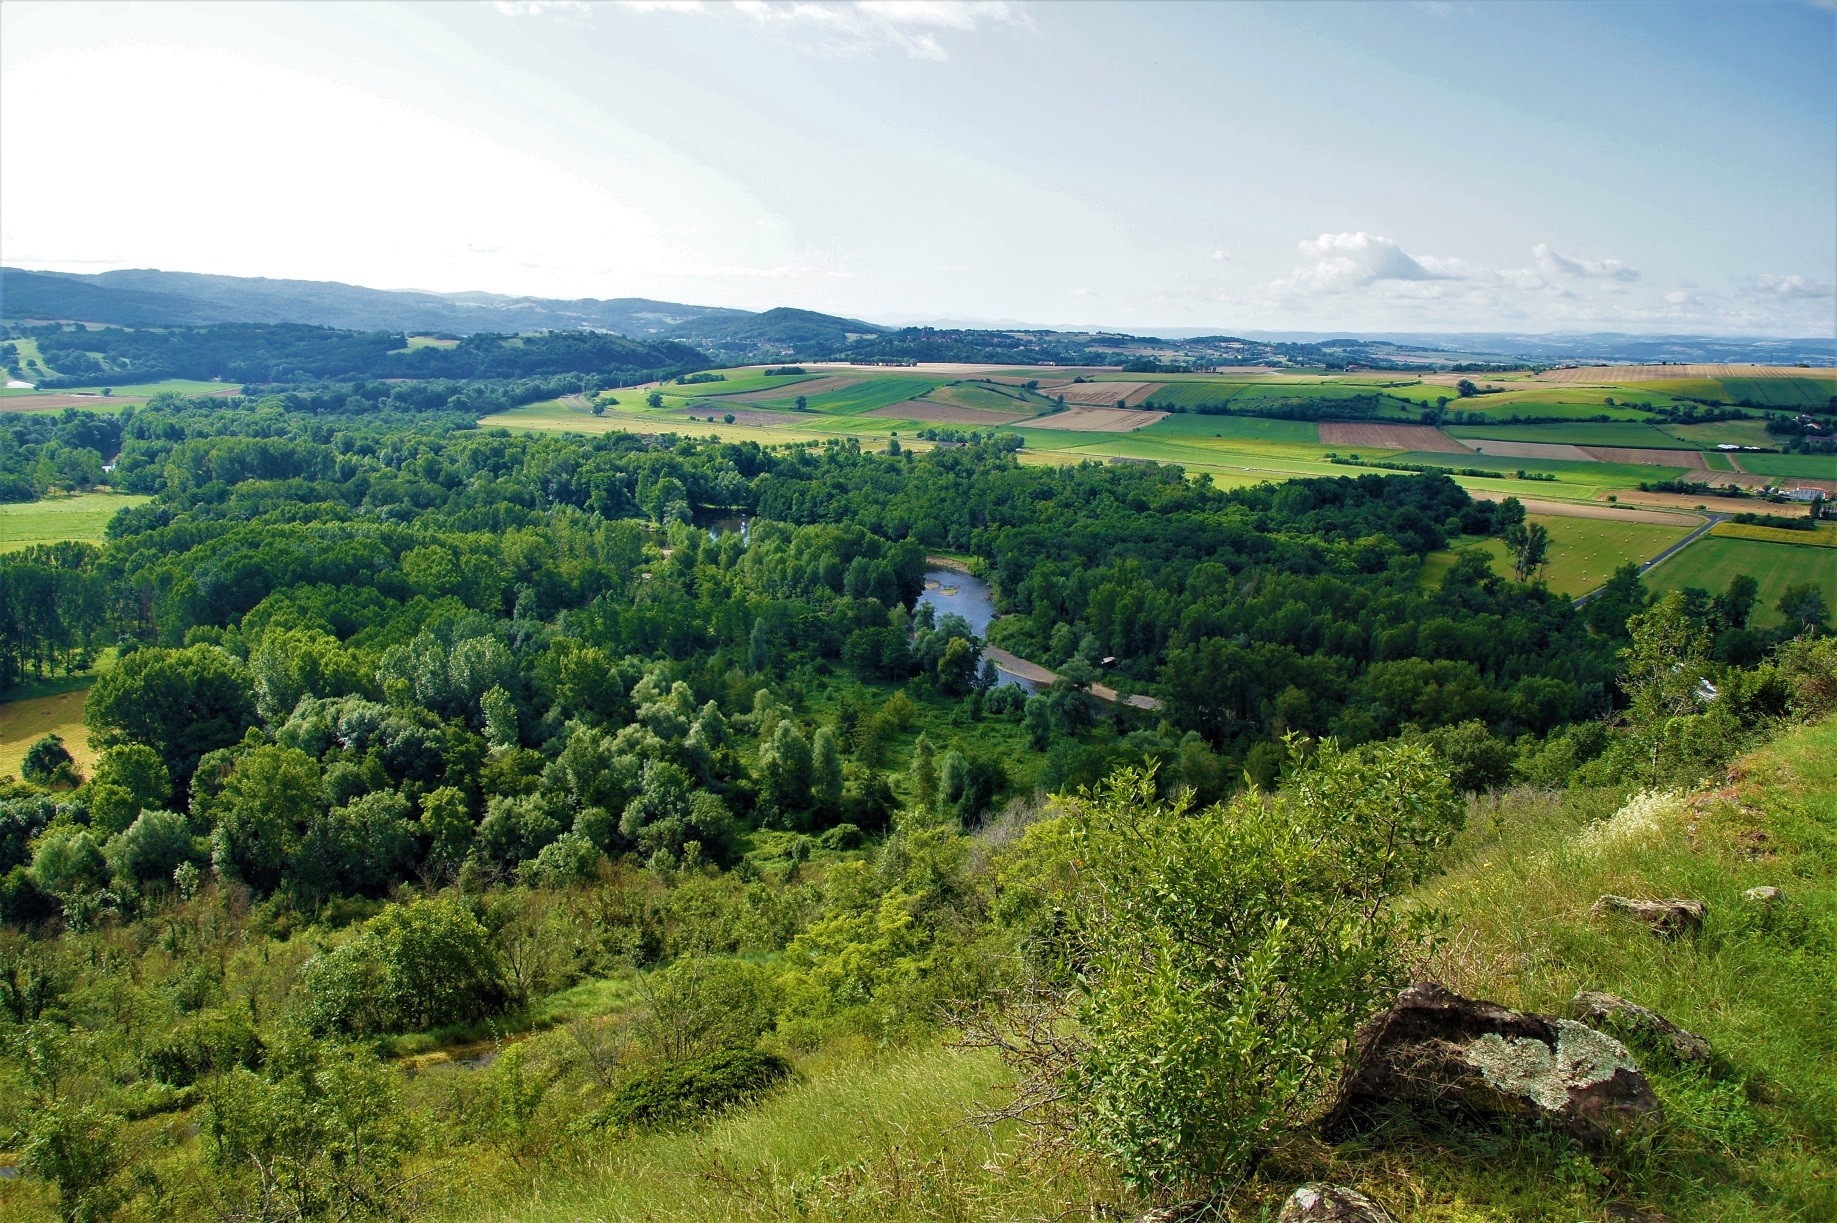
(949, 590)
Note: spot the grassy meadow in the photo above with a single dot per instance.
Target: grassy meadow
(1710, 562)
(1584, 552)
(81, 516)
(49, 707)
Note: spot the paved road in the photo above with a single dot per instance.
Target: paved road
(1033, 672)
(1668, 552)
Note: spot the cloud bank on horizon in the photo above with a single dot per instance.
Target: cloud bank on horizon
(1129, 165)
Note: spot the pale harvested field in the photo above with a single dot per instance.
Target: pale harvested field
(1100, 394)
(1526, 450)
(1613, 513)
(1387, 437)
(1098, 420)
(944, 413)
(1656, 458)
(1675, 373)
(1687, 501)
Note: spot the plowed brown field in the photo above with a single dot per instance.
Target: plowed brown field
(1101, 394)
(1098, 420)
(1388, 437)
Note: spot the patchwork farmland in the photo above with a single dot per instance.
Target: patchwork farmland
(1575, 444)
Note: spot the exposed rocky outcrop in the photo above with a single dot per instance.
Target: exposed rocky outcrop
(1436, 1049)
(1616, 1014)
(1332, 1204)
(1673, 917)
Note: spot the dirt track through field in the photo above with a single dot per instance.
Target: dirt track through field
(1388, 437)
(1098, 420)
(945, 413)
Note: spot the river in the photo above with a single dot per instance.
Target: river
(951, 590)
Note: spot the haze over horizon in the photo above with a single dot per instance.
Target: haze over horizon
(1358, 168)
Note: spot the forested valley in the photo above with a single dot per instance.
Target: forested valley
(470, 806)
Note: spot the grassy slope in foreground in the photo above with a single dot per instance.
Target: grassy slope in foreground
(1710, 562)
(80, 517)
(866, 1135)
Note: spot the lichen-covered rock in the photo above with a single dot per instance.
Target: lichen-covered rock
(1331, 1204)
(1436, 1049)
(1673, 917)
(1615, 1013)
(1766, 894)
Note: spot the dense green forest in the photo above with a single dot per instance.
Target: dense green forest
(267, 353)
(416, 738)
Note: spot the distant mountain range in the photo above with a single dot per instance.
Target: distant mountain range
(151, 298)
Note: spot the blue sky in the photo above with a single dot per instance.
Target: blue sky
(1521, 167)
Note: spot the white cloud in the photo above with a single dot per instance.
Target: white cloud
(862, 27)
(535, 8)
(1343, 262)
(1220, 257)
(1777, 287)
(1554, 263)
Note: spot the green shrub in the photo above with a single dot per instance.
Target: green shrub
(413, 967)
(679, 1093)
(207, 1043)
(1220, 960)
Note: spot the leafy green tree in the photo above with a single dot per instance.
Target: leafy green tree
(654, 399)
(1804, 608)
(49, 762)
(446, 822)
(826, 775)
(139, 779)
(67, 862)
(500, 710)
(785, 773)
(180, 703)
(268, 802)
(150, 848)
(1529, 546)
(924, 774)
(412, 967)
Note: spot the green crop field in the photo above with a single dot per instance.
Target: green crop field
(1710, 562)
(740, 382)
(1783, 392)
(1806, 466)
(1579, 433)
(1729, 432)
(1584, 552)
(1234, 428)
(16, 399)
(1193, 394)
(80, 517)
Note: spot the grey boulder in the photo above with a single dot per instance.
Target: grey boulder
(1435, 1049)
(1673, 917)
(1318, 1203)
(1615, 1013)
